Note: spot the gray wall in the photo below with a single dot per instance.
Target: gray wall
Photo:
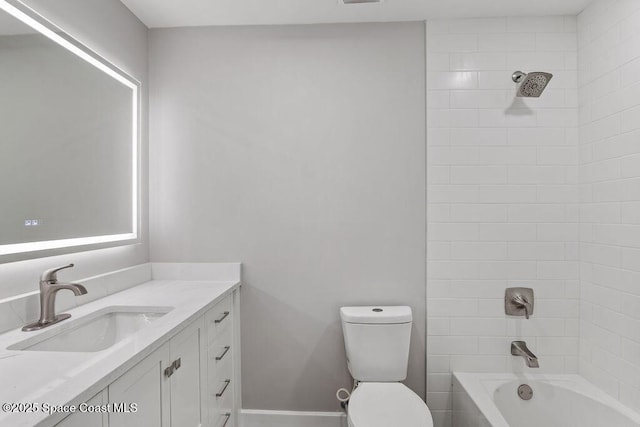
(299, 151)
(109, 28)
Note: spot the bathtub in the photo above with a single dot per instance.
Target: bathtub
(491, 400)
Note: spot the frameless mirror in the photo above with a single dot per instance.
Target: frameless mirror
(68, 140)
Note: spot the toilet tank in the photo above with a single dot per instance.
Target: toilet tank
(377, 342)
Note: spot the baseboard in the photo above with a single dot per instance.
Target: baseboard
(258, 418)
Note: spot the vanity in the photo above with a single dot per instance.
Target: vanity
(151, 345)
(164, 352)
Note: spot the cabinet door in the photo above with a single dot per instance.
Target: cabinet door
(146, 386)
(88, 419)
(186, 382)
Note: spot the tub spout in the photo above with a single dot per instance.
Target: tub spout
(519, 348)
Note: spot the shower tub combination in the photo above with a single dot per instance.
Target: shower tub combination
(535, 400)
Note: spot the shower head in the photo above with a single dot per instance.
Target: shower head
(532, 84)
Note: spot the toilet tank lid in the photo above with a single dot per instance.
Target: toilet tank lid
(376, 314)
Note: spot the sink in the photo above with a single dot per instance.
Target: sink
(94, 332)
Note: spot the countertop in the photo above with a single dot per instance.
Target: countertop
(60, 378)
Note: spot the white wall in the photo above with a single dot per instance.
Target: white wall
(609, 53)
(300, 151)
(110, 29)
(502, 198)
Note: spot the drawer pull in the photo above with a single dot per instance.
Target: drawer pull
(227, 416)
(177, 363)
(226, 350)
(221, 392)
(224, 316)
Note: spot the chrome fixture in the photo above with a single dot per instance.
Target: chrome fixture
(532, 84)
(525, 392)
(519, 348)
(49, 287)
(518, 302)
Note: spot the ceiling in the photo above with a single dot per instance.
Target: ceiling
(173, 13)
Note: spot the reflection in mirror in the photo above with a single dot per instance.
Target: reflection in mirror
(68, 140)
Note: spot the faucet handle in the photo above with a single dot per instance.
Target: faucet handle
(518, 302)
(523, 302)
(50, 275)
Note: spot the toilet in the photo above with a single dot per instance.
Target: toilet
(377, 343)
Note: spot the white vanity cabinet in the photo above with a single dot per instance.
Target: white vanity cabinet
(222, 365)
(144, 385)
(190, 381)
(89, 419)
(165, 386)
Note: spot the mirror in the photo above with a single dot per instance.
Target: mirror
(68, 140)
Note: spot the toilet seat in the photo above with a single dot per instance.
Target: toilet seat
(385, 405)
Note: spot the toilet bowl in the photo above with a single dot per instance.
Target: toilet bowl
(377, 344)
(387, 405)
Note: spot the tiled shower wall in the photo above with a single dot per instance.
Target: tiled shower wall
(609, 71)
(502, 197)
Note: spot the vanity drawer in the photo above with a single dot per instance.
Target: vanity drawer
(219, 318)
(222, 418)
(220, 370)
(220, 351)
(218, 406)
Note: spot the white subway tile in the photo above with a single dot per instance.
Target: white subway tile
(478, 26)
(446, 80)
(507, 194)
(536, 251)
(478, 136)
(536, 136)
(509, 156)
(504, 42)
(537, 175)
(557, 155)
(537, 213)
(507, 232)
(517, 117)
(478, 175)
(478, 61)
(478, 213)
(534, 24)
(451, 43)
(557, 232)
(566, 42)
(479, 251)
(478, 327)
(438, 62)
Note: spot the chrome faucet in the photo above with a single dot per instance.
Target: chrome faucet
(519, 348)
(49, 287)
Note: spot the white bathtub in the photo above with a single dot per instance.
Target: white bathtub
(491, 400)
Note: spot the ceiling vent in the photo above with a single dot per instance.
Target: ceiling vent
(360, 1)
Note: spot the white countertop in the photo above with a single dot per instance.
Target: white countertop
(59, 378)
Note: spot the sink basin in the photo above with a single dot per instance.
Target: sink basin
(94, 332)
